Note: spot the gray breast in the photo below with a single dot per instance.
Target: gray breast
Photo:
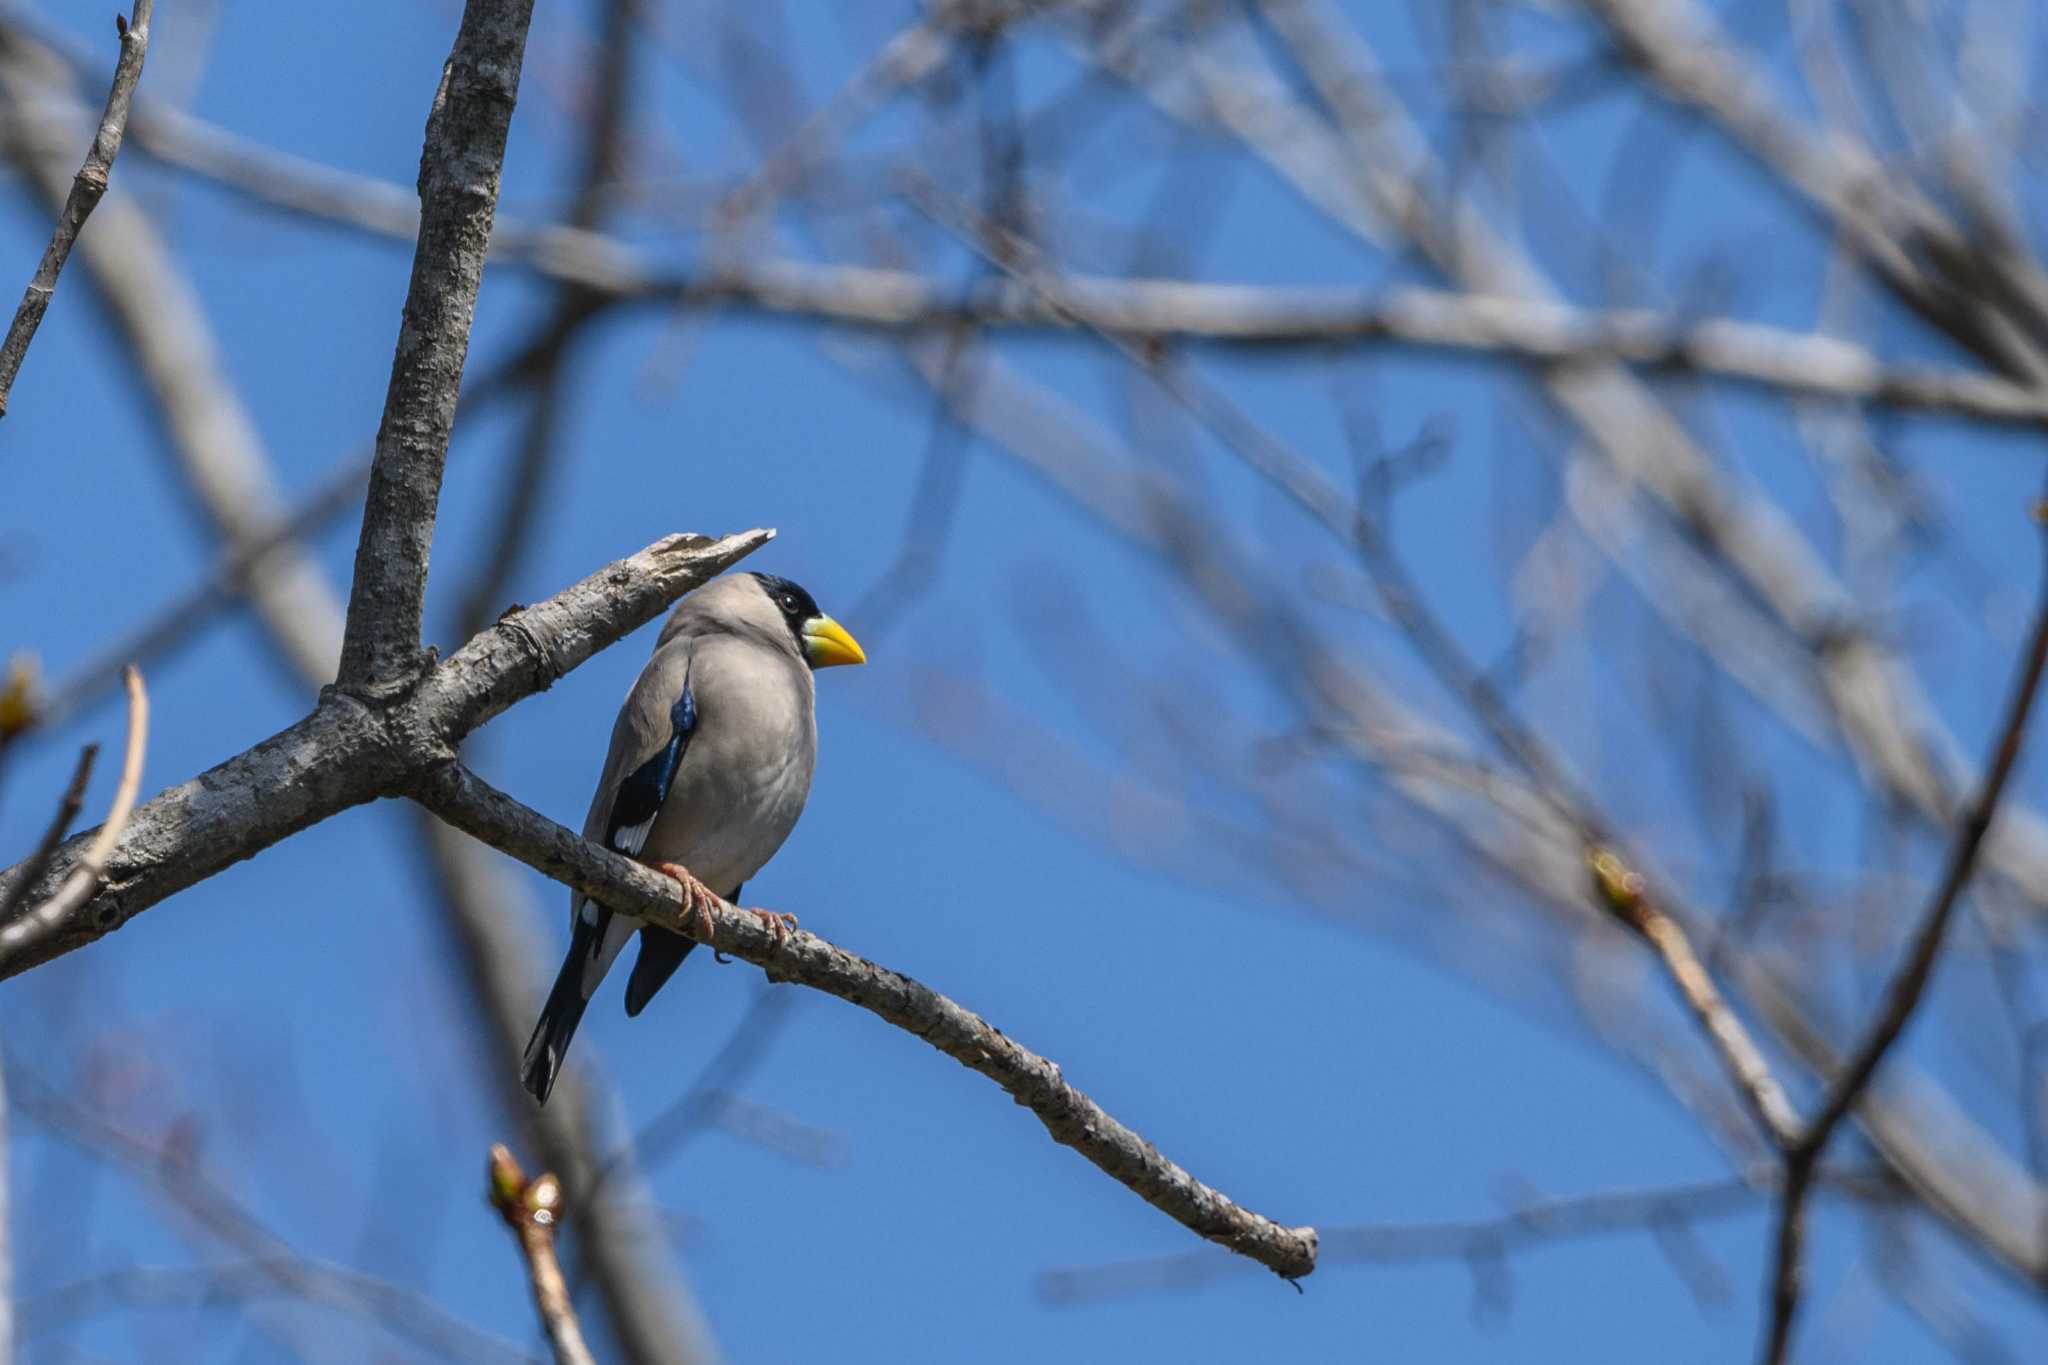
(747, 772)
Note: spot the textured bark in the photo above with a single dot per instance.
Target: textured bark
(347, 752)
(81, 199)
(459, 172)
(471, 804)
(524, 651)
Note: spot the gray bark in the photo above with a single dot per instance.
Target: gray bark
(459, 171)
(346, 752)
(468, 802)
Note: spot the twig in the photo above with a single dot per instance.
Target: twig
(1537, 1223)
(176, 363)
(466, 801)
(715, 1086)
(1908, 984)
(396, 1309)
(233, 575)
(1260, 317)
(84, 877)
(532, 1209)
(86, 189)
(652, 1317)
(1990, 300)
(460, 167)
(1623, 892)
(67, 811)
(401, 1311)
(1304, 484)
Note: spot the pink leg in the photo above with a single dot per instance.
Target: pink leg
(697, 897)
(778, 921)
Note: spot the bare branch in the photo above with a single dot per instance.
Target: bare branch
(159, 317)
(1304, 484)
(1537, 1223)
(344, 754)
(172, 1171)
(532, 1209)
(86, 189)
(1989, 299)
(459, 171)
(400, 1310)
(1623, 892)
(1908, 984)
(626, 887)
(46, 848)
(652, 1314)
(83, 880)
(1265, 317)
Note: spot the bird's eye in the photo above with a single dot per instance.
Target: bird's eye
(789, 602)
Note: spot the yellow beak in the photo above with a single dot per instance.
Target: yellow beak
(826, 643)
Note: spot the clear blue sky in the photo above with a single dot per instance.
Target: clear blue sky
(297, 1015)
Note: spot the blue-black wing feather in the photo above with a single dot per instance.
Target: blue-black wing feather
(644, 789)
(634, 808)
(633, 812)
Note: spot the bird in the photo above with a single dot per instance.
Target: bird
(710, 765)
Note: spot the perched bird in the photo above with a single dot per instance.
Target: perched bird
(709, 768)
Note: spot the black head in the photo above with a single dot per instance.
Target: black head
(820, 641)
(796, 605)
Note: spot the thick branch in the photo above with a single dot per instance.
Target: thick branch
(526, 650)
(459, 172)
(86, 189)
(331, 760)
(344, 753)
(469, 803)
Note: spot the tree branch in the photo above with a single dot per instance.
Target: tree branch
(159, 318)
(466, 801)
(1908, 984)
(174, 1173)
(460, 167)
(46, 848)
(1539, 1222)
(86, 189)
(1263, 317)
(344, 753)
(532, 1209)
(84, 876)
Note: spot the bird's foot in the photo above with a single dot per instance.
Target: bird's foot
(779, 922)
(697, 898)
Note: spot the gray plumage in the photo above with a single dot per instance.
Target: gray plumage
(710, 764)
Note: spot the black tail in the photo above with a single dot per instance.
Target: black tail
(563, 1011)
(661, 952)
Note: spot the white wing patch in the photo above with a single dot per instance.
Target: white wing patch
(631, 838)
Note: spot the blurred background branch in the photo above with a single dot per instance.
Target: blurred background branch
(1319, 471)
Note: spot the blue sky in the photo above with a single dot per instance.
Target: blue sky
(296, 1017)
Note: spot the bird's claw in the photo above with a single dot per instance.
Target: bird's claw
(779, 922)
(697, 898)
